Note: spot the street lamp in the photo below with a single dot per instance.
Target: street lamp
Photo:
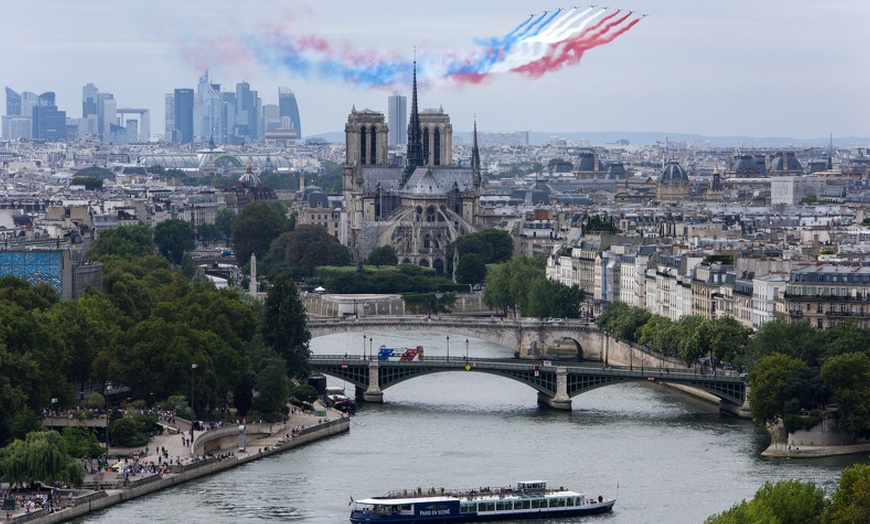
(192, 415)
(466, 349)
(364, 347)
(106, 390)
(371, 355)
(448, 348)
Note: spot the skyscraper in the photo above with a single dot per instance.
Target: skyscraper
(397, 119)
(48, 122)
(169, 117)
(247, 127)
(89, 100)
(183, 131)
(208, 112)
(13, 103)
(288, 108)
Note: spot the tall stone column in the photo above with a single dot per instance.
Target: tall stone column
(374, 393)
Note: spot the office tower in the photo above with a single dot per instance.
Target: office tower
(208, 112)
(182, 133)
(289, 109)
(13, 103)
(47, 122)
(17, 127)
(271, 118)
(247, 124)
(89, 100)
(397, 119)
(169, 117)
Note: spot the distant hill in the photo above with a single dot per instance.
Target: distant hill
(652, 137)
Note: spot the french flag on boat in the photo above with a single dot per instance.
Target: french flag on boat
(350, 501)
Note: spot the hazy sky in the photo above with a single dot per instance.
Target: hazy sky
(728, 67)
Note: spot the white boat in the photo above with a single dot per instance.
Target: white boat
(526, 500)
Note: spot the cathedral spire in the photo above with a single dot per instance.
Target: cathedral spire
(415, 141)
(475, 156)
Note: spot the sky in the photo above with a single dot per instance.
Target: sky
(770, 68)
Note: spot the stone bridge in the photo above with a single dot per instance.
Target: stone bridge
(555, 384)
(527, 338)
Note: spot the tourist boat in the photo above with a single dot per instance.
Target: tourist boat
(527, 500)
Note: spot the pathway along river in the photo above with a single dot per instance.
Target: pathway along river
(675, 459)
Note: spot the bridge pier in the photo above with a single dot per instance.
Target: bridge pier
(560, 400)
(373, 393)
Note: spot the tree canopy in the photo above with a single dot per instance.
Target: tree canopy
(173, 238)
(254, 229)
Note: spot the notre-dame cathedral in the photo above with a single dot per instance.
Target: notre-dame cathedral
(417, 206)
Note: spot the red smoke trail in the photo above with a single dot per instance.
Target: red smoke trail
(570, 51)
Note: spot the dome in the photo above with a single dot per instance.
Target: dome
(250, 177)
(746, 165)
(672, 173)
(785, 162)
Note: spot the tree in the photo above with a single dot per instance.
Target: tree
(496, 292)
(848, 377)
(90, 183)
(661, 334)
(273, 388)
(383, 256)
(299, 251)
(727, 339)
(126, 242)
(470, 270)
(550, 298)
(173, 238)
(787, 501)
(41, 457)
(284, 326)
(768, 383)
(243, 394)
(851, 500)
(223, 221)
(694, 338)
(797, 339)
(254, 229)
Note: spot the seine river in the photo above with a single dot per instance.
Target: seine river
(674, 459)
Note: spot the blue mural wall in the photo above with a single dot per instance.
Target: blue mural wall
(35, 267)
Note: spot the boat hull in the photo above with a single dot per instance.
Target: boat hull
(360, 517)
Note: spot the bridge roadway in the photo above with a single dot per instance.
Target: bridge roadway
(555, 381)
(526, 337)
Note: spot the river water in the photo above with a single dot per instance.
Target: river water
(672, 459)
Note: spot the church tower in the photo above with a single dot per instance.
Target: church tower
(415, 135)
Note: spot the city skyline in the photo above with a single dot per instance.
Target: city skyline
(779, 69)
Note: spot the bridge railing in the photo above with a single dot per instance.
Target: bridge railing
(543, 364)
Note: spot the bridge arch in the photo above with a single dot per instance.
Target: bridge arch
(531, 338)
(556, 385)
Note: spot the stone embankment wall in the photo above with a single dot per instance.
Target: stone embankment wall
(102, 499)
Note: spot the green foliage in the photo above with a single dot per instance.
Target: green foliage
(17, 292)
(785, 502)
(273, 390)
(490, 246)
(661, 334)
(81, 442)
(24, 422)
(795, 421)
(768, 382)
(549, 298)
(126, 242)
(471, 270)
(94, 172)
(622, 321)
(41, 457)
(296, 253)
(223, 221)
(429, 303)
(404, 278)
(90, 183)
(243, 394)
(508, 285)
(850, 503)
(848, 377)
(305, 393)
(383, 256)
(284, 328)
(173, 238)
(254, 229)
(599, 224)
(124, 432)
